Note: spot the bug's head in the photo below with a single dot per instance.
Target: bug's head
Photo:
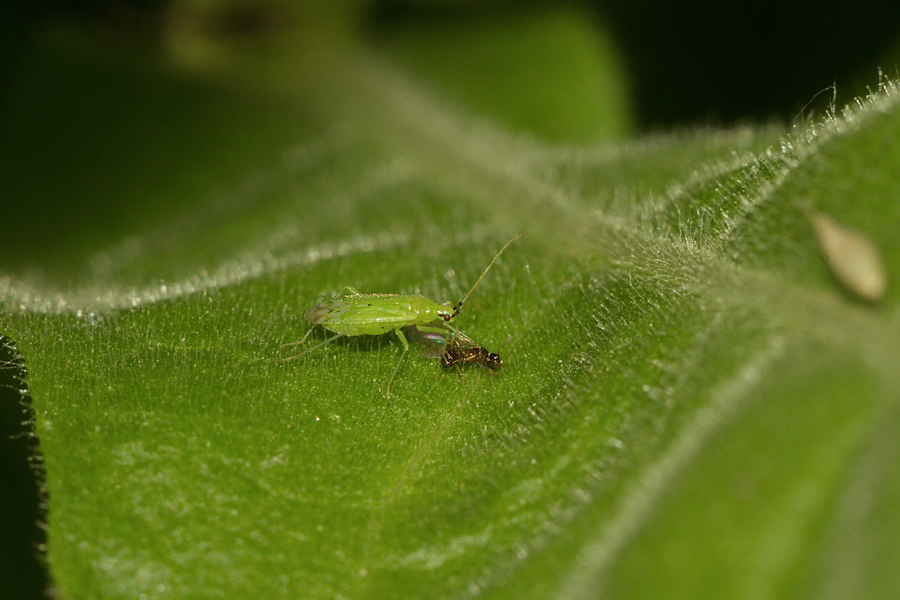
(447, 313)
(493, 361)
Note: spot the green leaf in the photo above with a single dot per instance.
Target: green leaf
(690, 405)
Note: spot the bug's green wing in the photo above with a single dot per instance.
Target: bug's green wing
(327, 312)
(373, 314)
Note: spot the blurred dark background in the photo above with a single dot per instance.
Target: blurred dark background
(687, 63)
(709, 62)
(749, 61)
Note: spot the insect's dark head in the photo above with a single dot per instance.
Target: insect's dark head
(493, 361)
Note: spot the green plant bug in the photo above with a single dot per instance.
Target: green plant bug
(375, 314)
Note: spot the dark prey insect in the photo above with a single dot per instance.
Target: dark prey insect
(455, 348)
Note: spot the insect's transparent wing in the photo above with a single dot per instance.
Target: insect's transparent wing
(433, 337)
(461, 340)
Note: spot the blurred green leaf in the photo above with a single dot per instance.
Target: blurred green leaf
(690, 404)
(545, 72)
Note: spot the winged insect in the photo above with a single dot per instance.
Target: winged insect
(353, 313)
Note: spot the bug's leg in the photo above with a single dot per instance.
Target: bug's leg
(352, 289)
(402, 354)
(303, 339)
(331, 339)
(455, 331)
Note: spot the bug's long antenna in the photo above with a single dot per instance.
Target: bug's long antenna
(459, 304)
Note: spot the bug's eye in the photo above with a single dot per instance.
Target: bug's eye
(447, 316)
